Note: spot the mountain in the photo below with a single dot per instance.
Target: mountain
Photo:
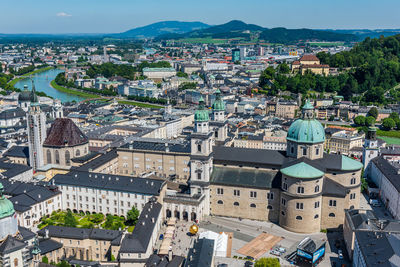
(163, 27)
(283, 35)
(239, 29)
(364, 33)
(231, 29)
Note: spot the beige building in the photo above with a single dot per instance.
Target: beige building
(304, 189)
(310, 63)
(286, 110)
(82, 244)
(342, 141)
(64, 142)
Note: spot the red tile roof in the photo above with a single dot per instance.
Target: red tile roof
(309, 58)
(64, 132)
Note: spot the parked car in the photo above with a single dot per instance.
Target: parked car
(340, 253)
(375, 203)
(275, 252)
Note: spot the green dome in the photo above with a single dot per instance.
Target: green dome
(6, 207)
(302, 170)
(202, 113)
(218, 104)
(307, 129)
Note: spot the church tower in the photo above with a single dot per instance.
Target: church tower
(370, 147)
(36, 129)
(219, 125)
(201, 159)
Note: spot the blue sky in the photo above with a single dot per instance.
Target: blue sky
(108, 16)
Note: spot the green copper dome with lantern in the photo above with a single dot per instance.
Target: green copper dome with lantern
(201, 113)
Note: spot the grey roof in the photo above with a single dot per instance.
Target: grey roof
(10, 245)
(201, 254)
(103, 181)
(26, 233)
(99, 161)
(81, 233)
(379, 249)
(13, 169)
(12, 113)
(236, 176)
(162, 261)
(17, 151)
(334, 189)
(388, 170)
(48, 245)
(247, 156)
(138, 241)
(158, 146)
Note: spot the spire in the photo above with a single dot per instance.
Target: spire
(34, 98)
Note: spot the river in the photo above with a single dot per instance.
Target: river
(42, 83)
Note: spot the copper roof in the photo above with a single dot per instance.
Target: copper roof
(64, 132)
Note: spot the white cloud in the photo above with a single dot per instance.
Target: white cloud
(63, 14)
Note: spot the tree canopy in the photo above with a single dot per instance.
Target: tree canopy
(267, 262)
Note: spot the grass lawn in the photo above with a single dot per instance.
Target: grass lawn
(72, 92)
(390, 140)
(14, 81)
(138, 104)
(395, 134)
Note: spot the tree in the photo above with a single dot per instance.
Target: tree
(370, 121)
(395, 117)
(45, 259)
(373, 112)
(182, 74)
(388, 123)
(132, 216)
(69, 220)
(359, 120)
(284, 68)
(331, 118)
(267, 262)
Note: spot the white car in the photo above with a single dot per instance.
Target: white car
(340, 253)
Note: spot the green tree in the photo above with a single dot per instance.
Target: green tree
(182, 74)
(373, 112)
(132, 216)
(267, 262)
(395, 117)
(284, 68)
(370, 121)
(359, 120)
(69, 220)
(388, 123)
(45, 259)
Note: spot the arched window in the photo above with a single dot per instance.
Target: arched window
(220, 202)
(78, 153)
(299, 218)
(331, 214)
(353, 181)
(48, 154)
(236, 204)
(316, 216)
(199, 148)
(269, 207)
(316, 189)
(351, 207)
(292, 150)
(252, 205)
(283, 213)
(15, 262)
(67, 158)
(57, 157)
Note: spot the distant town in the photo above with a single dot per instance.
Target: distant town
(200, 152)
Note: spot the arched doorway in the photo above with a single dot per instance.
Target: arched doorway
(168, 213)
(193, 216)
(185, 216)
(177, 214)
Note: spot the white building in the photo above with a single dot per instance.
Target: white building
(105, 193)
(159, 73)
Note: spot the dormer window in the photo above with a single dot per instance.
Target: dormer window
(304, 151)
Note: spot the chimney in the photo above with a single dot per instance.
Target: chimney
(166, 147)
(46, 233)
(152, 220)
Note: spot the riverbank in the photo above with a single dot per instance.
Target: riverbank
(26, 75)
(70, 91)
(138, 104)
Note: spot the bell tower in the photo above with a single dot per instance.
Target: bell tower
(370, 147)
(201, 159)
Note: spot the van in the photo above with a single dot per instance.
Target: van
(374, 203)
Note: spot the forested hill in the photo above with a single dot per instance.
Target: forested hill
(368, 73)
(283, 35)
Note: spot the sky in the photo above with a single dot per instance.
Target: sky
(113, 16)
